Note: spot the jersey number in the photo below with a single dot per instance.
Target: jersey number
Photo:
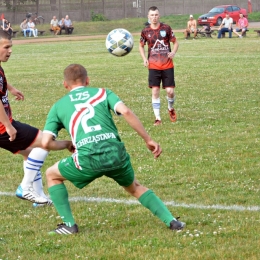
(88, 113)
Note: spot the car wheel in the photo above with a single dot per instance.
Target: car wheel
(219, 21)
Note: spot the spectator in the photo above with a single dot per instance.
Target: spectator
(191, 28)
(32, 28)
(61, 24)
(24, 28)
(55, 25)
(68, 25)
(242, 24)
(227, 23)
(7, 27)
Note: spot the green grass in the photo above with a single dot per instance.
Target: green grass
(210, 155)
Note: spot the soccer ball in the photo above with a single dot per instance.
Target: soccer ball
(119, 42)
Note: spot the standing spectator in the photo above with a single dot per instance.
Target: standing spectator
(191, 28)
(24, 27)
(7, 27)
(32, 28)
(55, 25)
(159, 37)
(106, 156)
(226, 26)
(68, 25)
(242, 24)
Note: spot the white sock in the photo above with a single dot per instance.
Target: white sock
(32, 166)
(37, 185)
(156, 108)
(170, 102)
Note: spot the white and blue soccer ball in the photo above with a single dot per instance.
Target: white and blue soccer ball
(119, 42)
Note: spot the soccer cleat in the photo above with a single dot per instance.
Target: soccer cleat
(62, 229)
(49, 203)
(177, 225)
(30, 195)
(173, 115)
(157, 122)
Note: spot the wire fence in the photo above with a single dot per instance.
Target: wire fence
(81, 10)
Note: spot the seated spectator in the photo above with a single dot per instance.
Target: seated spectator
(242, 26)
(24, 28)
(6, 26)
(61, 24)
(55, 25)
(32, 28)
(68, 25)
(226, 26)
(191, 28)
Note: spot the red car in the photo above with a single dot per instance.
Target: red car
(218, 13)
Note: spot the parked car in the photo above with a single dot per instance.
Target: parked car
(218, 13)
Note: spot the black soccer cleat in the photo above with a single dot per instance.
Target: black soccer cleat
(62, 229)
(177, 225)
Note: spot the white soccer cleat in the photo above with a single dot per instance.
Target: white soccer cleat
(30, 195)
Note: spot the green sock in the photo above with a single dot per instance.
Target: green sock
(156, 206)
(60, 198)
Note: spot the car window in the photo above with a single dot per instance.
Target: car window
(235, 8)
(217, 10)
(229, 9)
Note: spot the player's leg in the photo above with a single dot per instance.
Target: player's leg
(34, 158)
(146, 196)
(169, 85)
(152, 202)
(154, 83)
(56, 175)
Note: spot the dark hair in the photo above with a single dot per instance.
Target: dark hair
(5, 35)
(153, 8)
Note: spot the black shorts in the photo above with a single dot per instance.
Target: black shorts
(25, 136)
(164, 76)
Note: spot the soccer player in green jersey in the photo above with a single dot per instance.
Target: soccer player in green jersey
(85, 113)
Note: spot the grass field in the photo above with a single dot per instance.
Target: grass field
(208, 172)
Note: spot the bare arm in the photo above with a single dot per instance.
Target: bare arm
(175, 49)
(49, 143)
(15, 92)
(135, 123)
(142, 53)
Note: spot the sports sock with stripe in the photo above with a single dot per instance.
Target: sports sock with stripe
(32, 166)
(156, 108)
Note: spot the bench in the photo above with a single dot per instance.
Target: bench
(14, 34)
(258, 32)
(223, 34)
(41, 32)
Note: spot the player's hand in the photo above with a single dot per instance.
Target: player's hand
(146, 63)
(71, 147)
(171, 55)
(154, 148)
(17, 93)
(11, 131)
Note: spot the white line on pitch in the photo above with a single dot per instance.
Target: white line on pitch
(168, 203)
